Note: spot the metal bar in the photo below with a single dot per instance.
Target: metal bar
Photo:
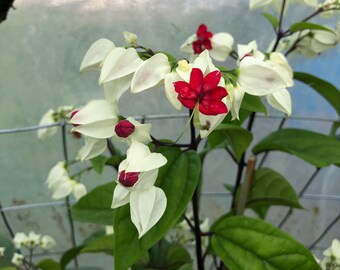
(328, 228)
(35, 205)
(159, 117)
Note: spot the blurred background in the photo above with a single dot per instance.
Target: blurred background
(42, 44)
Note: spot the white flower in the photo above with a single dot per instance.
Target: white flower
(48, 118)
(47, 242)
(61, 185)
(136, 177)
(17, 259)
(31, 240)
(333, 251)
(150, 73)
(2, 251)
(96, 119)
(219, 45)
(96, 54)
(130, 38)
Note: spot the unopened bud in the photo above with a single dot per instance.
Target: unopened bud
(128, 179)
(130, 38)
(124, 128)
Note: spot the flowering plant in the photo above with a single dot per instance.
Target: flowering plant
(156, 179)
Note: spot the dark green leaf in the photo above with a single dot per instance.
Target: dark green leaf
(69, 255)
(95, 207)
(315, 148)
(327, 90)
(272, 19)
(247, 243)
(98, 163)
(237, 137)
(334, 128)
(308, 26)
(178, 179)
(253, 104)
(261, 211)
(271, 188)
(48, 264)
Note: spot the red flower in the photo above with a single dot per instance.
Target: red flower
(203, 39)
(204, 91)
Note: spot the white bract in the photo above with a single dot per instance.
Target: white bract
(96, 54)
(2, 251)
(47, 242)
(150, 73)
(136, 177)
(333, 251)
(47, 119)
(96, 119)
(17, 259)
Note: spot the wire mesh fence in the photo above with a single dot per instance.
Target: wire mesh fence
(67, 203)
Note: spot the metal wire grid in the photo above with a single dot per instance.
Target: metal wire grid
(68, 203)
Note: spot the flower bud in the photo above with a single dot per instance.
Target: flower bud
(124, 128)
(130, 38)
(128, 179)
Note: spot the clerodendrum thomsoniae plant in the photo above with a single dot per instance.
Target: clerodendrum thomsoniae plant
(157, 179)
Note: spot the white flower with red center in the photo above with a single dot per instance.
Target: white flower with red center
(219, 45)
(137, 175)
(130, 130)
(199, 86)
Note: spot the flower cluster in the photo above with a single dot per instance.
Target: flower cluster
(33, 240)
(61, 184)
(331, 260)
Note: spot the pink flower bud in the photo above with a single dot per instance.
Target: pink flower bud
(124, 128)
(128, 179)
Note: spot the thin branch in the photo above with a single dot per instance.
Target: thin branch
(7, 225)
(231, 155)
(302, 191)
(328, 228)
(160, 143)
(241, 163)
(192, 227)
(279, 32)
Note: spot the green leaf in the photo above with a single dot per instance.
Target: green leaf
(48, 264)
(327, 90)
(100, 244)
(271, 19)
(9, 251)
(261, 211)
(308, 26)
(247, 243)
(237, 137)
(95, 207)
(178, 179)
(243, 115)
(315, 148)
(253, 104)
(98, 163)
(271, 188)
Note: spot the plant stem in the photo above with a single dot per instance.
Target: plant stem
(67, 199)
(242, 162)
(195, 202)
(279, 33)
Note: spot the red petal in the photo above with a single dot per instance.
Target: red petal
(188, 103)
(197, 46)
(184, 89)
(202, 28)
(213, 107)
(218, 93)
(211, 81)
(207, 44)
(196, 80)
